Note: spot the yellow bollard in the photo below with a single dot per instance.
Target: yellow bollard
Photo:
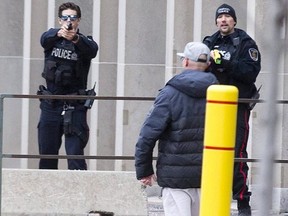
(218, 153)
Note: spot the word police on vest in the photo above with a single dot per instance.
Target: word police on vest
(64, 54)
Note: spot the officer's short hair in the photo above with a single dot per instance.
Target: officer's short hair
(69, 5)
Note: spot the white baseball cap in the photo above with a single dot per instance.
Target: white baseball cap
(193, 50)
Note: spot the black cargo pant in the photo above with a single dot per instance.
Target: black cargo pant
(240, 188)
(50, 133)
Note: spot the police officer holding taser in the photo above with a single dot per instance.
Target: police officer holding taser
(68, 55)
(236, 61)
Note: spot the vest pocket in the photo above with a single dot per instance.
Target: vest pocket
(64, 75)
(49, 70)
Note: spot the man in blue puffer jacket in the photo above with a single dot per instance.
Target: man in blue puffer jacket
(176, 120)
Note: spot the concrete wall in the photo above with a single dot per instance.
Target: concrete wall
(138, 44)
(83, 193)
(73, 193)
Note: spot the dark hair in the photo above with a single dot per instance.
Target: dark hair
(69, 5)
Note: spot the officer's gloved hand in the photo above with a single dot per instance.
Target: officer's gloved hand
(218, 62)
(216, 56)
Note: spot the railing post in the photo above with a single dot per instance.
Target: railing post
(1, 147)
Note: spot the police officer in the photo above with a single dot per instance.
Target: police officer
(68, 55)
(236, 61)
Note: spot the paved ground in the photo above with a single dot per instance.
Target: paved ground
(155, 208)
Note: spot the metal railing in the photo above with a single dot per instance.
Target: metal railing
(97, 157)
(111, 157)
(83, 97)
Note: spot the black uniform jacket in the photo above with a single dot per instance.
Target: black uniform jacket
(67, 64)
(241, 60)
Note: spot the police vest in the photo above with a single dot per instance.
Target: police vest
(60, 65)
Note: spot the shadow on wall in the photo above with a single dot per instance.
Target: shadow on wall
(100, 213)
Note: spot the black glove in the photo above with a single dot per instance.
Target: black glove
(216, 56)
(218, 63)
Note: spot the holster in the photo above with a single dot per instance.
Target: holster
(70, 127)
(89, 102)
(256, 95)
(43, 91)
(68, 122)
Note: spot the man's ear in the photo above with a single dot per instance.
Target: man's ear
(208, 65)
(186, 62)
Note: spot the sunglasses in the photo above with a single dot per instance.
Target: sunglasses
(66, 17)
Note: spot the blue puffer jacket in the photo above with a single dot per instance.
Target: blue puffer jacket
(177, 121)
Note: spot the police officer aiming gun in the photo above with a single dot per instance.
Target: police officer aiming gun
(68, 55)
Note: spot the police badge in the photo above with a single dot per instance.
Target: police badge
(253, 54)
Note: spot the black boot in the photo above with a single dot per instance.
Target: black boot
(244, 208)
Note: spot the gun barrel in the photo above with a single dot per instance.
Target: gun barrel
(70, 26)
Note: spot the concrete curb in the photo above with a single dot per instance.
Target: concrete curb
(71, 192)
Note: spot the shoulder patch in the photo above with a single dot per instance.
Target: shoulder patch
(253, 54)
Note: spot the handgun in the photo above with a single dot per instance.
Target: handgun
(89, 102)
(69, 26)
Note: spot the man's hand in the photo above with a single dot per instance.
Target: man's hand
(149, 180)
(67, 34)
(216, 56)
